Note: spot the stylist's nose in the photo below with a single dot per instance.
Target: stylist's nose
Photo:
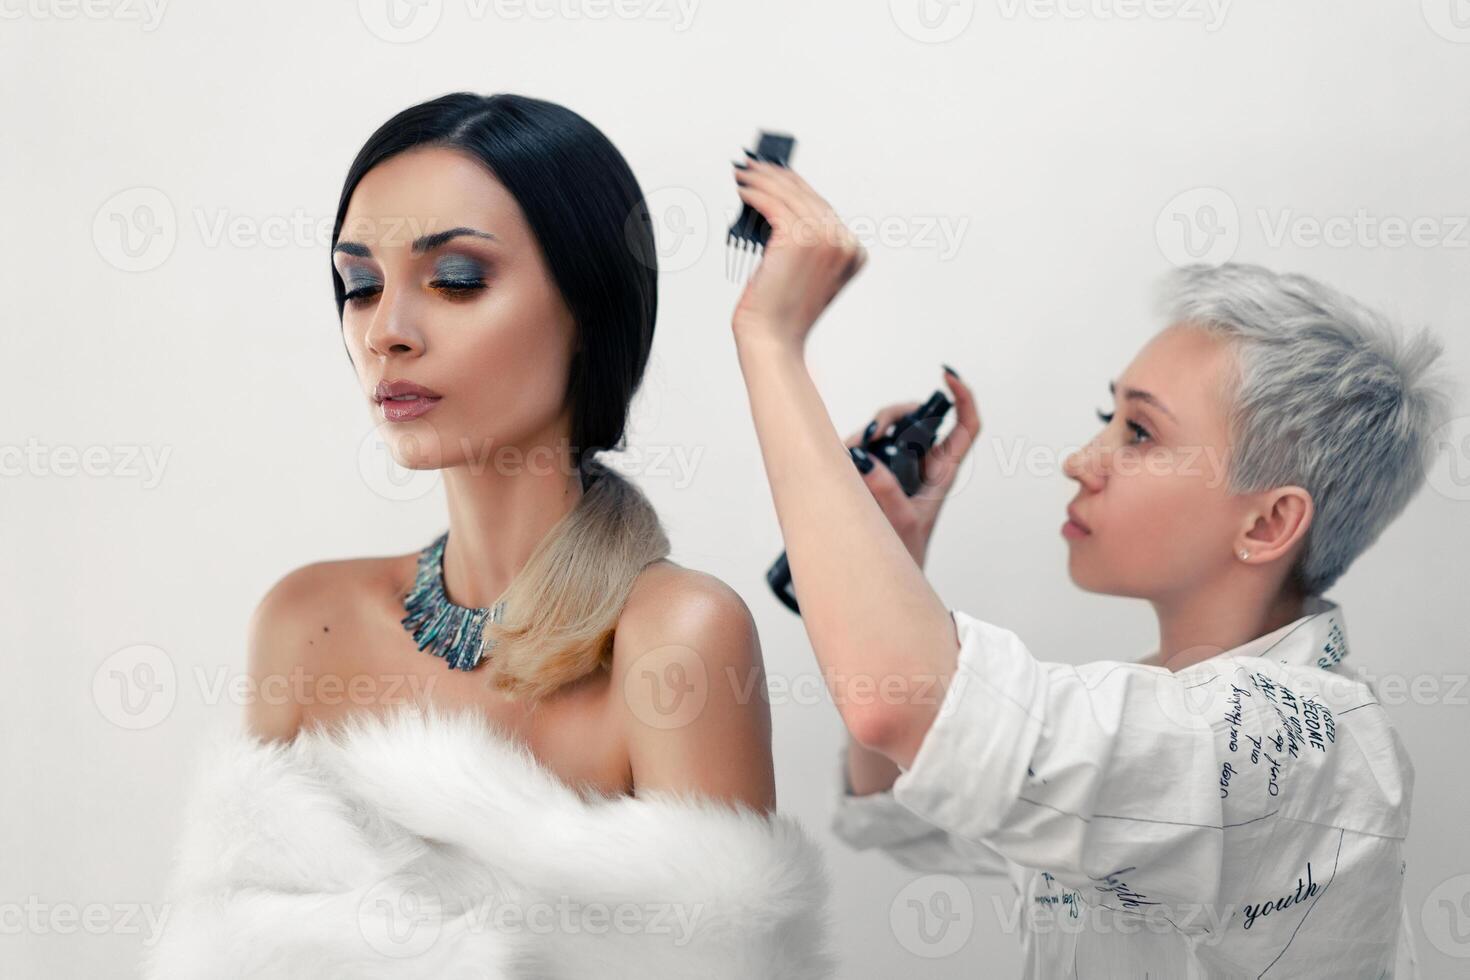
(1086, 466)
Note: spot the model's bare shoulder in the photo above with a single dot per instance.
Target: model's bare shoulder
(688, 672)
(291, 626)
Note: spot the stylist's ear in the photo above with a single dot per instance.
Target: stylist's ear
(1276, 526)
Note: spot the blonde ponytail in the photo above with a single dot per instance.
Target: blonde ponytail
(563, 606)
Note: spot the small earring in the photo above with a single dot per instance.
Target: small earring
(1244, 555)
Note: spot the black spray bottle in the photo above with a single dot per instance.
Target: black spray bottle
(902, 450)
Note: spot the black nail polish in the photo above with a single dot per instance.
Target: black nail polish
(870, 431)
(739, 166)
(951, 370)
(749, 154)
(862, 459)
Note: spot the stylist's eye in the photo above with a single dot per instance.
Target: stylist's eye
(1138, 430)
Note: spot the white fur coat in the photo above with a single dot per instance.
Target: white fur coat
(423, 843)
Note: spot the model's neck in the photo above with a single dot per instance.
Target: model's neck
(1211, 621)
(498, 514)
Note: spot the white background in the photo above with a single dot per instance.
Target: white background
(1055, 141)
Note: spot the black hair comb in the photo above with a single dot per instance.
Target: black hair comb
(748, 235)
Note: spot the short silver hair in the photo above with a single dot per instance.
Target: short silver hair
(1328, 395)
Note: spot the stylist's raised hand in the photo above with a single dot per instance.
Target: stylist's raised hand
(914, 517)
(810, 256)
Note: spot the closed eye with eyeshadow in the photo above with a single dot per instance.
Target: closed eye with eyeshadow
(456, 276)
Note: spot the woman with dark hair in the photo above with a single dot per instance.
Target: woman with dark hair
(536, 723)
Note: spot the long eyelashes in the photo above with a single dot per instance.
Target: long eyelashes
(451, 288)
(458, 287)
(1107, 417)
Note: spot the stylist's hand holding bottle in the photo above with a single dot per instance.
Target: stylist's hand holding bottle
(914, 517)
(809, 258)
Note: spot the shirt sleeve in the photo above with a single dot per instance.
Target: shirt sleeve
(1118, 779)
(878, 820)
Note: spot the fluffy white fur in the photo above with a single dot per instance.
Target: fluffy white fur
(425, 843)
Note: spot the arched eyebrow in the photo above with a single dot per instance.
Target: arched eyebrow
(420, 245)
(1133, 394)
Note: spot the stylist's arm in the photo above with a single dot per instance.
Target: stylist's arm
(885, 641)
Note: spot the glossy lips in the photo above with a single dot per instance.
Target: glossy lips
(401, 401)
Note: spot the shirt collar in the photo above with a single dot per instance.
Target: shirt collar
(1317, 639)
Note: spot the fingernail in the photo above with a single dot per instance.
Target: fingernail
(739, 166)
(951, 370)
(862, 459)
(750, 154)
(870, 431)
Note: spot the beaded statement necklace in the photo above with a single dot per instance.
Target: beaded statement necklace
(441, 627)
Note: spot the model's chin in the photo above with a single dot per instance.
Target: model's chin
(413, 446)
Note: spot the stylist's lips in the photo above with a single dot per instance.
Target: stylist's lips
(401, 401)
(1074, 528)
